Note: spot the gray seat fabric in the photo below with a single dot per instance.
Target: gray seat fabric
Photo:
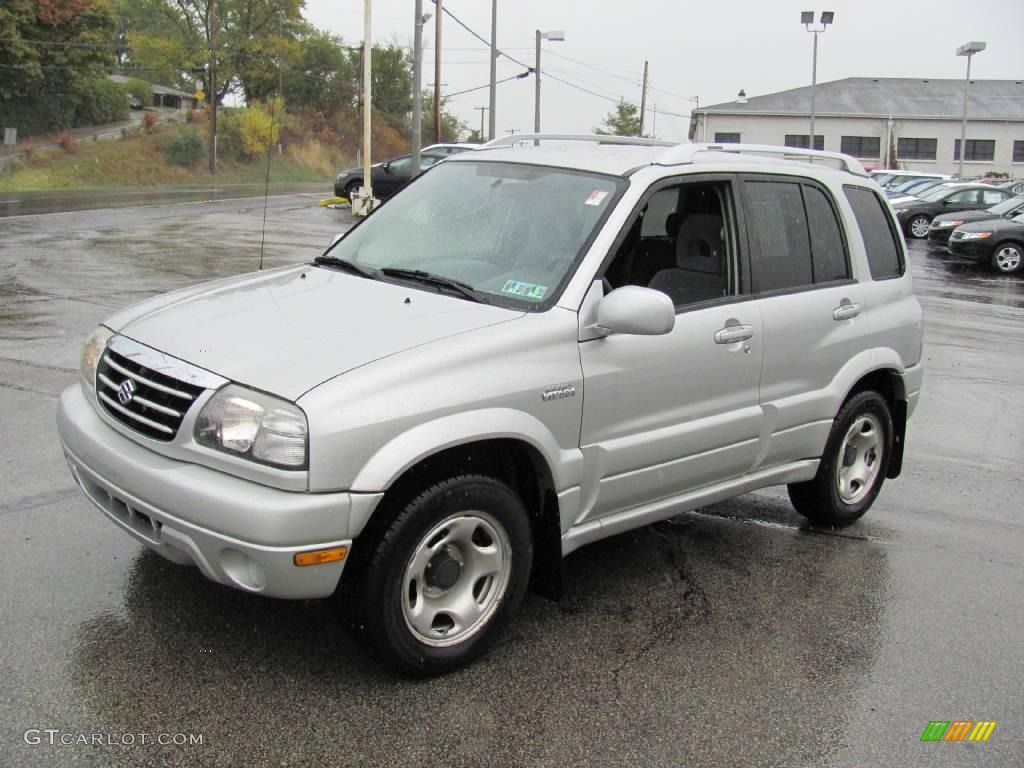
(699, 273)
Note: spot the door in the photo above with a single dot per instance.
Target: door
(813, 312)
(666, 414)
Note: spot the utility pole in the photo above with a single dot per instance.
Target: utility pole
(367, 197)
(212, 27)
(437, 74)
(643, 100)
(483, 137)
(417, 88)
(494, 69)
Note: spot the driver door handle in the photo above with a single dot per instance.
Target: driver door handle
(733, 333)
(846, 311)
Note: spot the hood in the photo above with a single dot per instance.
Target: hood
(903, 200)
(996, 224)
(966, 216)
(357, 170)
(287, 330)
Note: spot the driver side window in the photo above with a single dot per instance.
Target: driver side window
(679, 244)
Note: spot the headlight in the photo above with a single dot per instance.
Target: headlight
(92, 351)
(975, 235)
(942, 224)
(254, 425)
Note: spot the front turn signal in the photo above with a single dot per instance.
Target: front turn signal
(320, 556)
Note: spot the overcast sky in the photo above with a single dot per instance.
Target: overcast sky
(708, 49)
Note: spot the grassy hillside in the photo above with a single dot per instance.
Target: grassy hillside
(139, 160)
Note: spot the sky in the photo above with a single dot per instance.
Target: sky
(709, 50)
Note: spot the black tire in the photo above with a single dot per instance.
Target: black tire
(1008, 258)
(350, 189)
(378, 594)
(923, 223)
(820, 499)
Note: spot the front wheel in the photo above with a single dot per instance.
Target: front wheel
(1007, 258)
(918, 227)
(853, 466)
(350, 190)
(452, 566)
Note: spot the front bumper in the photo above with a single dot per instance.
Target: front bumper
(239, 533)
(939, 236)
(978, 251)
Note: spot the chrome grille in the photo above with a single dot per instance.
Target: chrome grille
(148, 391)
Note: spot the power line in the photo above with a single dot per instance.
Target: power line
(635, 81)
(488, 85)
(466, 27)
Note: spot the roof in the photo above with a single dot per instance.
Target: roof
(162, 89)
(614, 159)
(899, 97)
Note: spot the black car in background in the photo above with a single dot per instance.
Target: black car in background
(915, 215)
(944, 224)
(999, 242)
(387, 177)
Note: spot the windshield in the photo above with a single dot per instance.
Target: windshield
(511, 230)
(936, 194)
(999, 209)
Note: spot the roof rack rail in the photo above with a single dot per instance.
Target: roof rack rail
(680, 154)
(508, 141)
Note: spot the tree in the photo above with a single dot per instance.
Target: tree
(321, 75)
(43, 84)
(623, 121)
(451, 126)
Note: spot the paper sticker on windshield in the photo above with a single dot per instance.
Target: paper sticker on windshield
(596, 197)
(526, 290)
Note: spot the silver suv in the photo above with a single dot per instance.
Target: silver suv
(528, 349)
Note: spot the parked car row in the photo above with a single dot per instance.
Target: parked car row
(391, 175)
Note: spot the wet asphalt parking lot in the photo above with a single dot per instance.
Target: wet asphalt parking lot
(732, 636)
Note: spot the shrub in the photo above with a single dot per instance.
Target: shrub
(101, 101)
(149, 121)
(67, 141)
(229, 133)
(28, 148)
(261, 126)
(141, 91)
(184, 148)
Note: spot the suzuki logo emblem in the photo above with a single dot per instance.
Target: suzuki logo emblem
(126, 391)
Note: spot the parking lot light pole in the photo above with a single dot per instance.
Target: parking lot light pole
(553, 36)
(807, 19)
(968, 50)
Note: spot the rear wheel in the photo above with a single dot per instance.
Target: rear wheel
(1007, 258)
(853, 466)
(918, 226)
(449, 569)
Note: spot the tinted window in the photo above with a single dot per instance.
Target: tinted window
(976, 149)
(727, 138)
(917, 149)
(861, 146)
(967, 196)
(802, 141)
(780, 251)
(403, 164)
(885, 257)
(992, 196)
(828, 253)
(1018, 151)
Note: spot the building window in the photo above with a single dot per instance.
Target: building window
(800, 140)
(977, 149)
(861, 146)
(727, 138)
(917, 149)
(1018, 151)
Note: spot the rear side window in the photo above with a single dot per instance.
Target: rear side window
(780, 249)
(885, 256)
(827, 246)
(794, 235)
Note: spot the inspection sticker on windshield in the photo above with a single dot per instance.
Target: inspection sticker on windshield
(596, 197)
(526, 290)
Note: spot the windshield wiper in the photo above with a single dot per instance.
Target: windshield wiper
(345, 265)
(464, 289)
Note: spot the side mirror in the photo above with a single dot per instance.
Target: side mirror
(635, 310)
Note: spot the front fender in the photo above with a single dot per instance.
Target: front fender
(429, 438)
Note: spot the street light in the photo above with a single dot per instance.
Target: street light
(968, 50)
(554, 35)
(807, 19)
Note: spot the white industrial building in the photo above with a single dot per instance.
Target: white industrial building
(906, 123)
